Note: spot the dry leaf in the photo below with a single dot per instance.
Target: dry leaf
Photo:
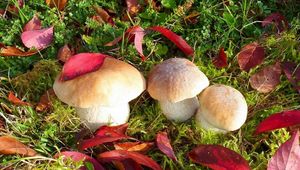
(16, 101)
(104, 16)
(64, 53)
(60, 4)
(134, 146)
(250, 56)
(8, 51)
(45, 101)
(9, 146)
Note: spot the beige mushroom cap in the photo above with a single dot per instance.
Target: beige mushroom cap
(223, 107)
(115, 82)
(176, 79)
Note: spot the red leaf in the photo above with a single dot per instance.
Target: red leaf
(292, 72)
(9, 51)
(98, 140)
(118, 155)
(134, 146)
(128, 34)
(279, 120)
(177, 40)
(127, 164)
(77, 156)
(9, 145)
(16, 101)
(33, 24)
(287, 156)
(278, 19)
(267, 79)
(38, 39)
(218, 158)
(163, 144)
(221, 60)
(64, 53)
(81, 64)
(112, 131)
(250, 56)
(139, 33)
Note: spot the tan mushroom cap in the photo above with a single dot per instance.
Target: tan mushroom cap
(223, 107)
(176, 79)
(115, 82)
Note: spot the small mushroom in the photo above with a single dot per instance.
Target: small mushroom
(101, 97)
(175, 84)
(222, 109)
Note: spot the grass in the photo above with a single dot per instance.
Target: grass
(217, 25)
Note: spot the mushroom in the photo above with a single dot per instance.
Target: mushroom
(101, 97)
(222, 109)
(175, 83)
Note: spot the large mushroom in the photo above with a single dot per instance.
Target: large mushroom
(222, 109)
(175, 83)
(101, 97)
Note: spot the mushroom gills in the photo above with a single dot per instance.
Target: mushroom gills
(180, 111)
(206, 125)
(94, 117)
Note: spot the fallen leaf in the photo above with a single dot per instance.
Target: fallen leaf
(9, 51)
(218, 157)
(60, 4)
(292, 72)
(45, 101)
(267, 79)
(2, 12)
(128, 34)
(77, 156)
(250, 56)
(64, 53)
(98, 140)
(287, 156)
(279, 120)
(192, 17)
(33, 24)
(112, 130)
(10, 146)
(176, 39)
(134, 146)
(132, 7)
(38, 39)
(163, 144)
(81, 64)
(16, 101)
(279, 20)
(139, 33)
(118, 155)
(127, 164)
(104, 15)
(221, 60)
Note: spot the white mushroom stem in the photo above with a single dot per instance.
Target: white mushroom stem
(206, 125)
(180, 111)
(94, 117)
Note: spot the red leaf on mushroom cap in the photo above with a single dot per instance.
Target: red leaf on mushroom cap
(33, 24)
(118, 155)
(218, 157)
(38, 39)
(267, 79)
(287, 156)
(250, 56)
(81, 64)
(163, 144)
(292, 72)
(176, 39)
(112, 130)
(221, 60)
(77, 156)
(278, 19)
(279, 120)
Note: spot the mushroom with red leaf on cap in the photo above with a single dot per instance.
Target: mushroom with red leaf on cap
(175, 83)
(101, 97)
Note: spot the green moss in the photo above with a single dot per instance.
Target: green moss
(35, 82)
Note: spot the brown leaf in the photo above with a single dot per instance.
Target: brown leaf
(292, 72)
(16, 101)
(60, 4)
(9, 51)
(45, 101)
(127, 164)
(64, 53)
(9, 146)
(279, 20)
(250, 56)
(134, 146)
(133, 7)
(267, 79)
(33, 24)
(103, 15)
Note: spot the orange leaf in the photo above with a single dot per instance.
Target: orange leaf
(64, 53)
(16, 101)
(9, 51)
(45, 101)
(134, 146)
(9, 146)
(60, 4)
(104, 15)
